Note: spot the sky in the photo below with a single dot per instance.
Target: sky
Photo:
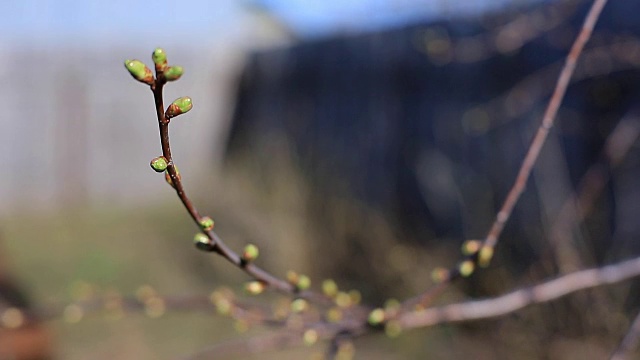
(68, 21)
(78, 21)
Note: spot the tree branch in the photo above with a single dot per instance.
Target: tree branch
(516, 300)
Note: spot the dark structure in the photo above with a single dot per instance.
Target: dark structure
(429, 123)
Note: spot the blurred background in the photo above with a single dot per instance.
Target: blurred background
(362, 140)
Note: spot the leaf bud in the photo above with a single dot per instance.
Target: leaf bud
(304, 282)
(173, 73)
(159, 164)
(159, 59)
(466, 268)
(376, 317)
(203, 242)
(254, 287)
(250, 253)
(206, 223)
(329, 288)
(178, 107)
(139, 71)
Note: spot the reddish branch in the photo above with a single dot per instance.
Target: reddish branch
(218, 245)
(547, 123)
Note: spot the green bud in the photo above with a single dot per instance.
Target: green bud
(299, 305)
(206, 223)
(203, 242)
(159, 164)
(310, 337)
(139, 71)
(343, 299)
(329, 288)
(254, 287)
(304, 282)
(334, 315)
(173, 73)
(471, 247)
(292, 277)
(466, 268)
(159, 59)
(250, 253)
(178, 107)
(376, 317)
(484, 258)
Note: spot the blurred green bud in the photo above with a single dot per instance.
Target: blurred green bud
(304, 282)
(178, 107)
(139, 71)
(376, 317)
(310, 337)
(159, 164)
(471, 247)
(159, 59)
(206, 223)
(466, 268)
(292, 277)
(343, 299)
(254, 287)
(334, 315)
(299, 305)
(250, 253)
(329, 288)
(484, 258)
(203, 242)
(173, 73)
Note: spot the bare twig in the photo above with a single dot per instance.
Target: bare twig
(513, 301)
(547, 123)
(485, 253)
(217, 244)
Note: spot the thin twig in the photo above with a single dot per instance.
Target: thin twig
(218, 245)
(547, 123)
(530, 159)
(513, 301)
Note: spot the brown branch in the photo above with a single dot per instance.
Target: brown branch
(217, 244)
(547, 123)
(516, 300)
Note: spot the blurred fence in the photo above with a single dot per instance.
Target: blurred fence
(430, 122)
(76, 129)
